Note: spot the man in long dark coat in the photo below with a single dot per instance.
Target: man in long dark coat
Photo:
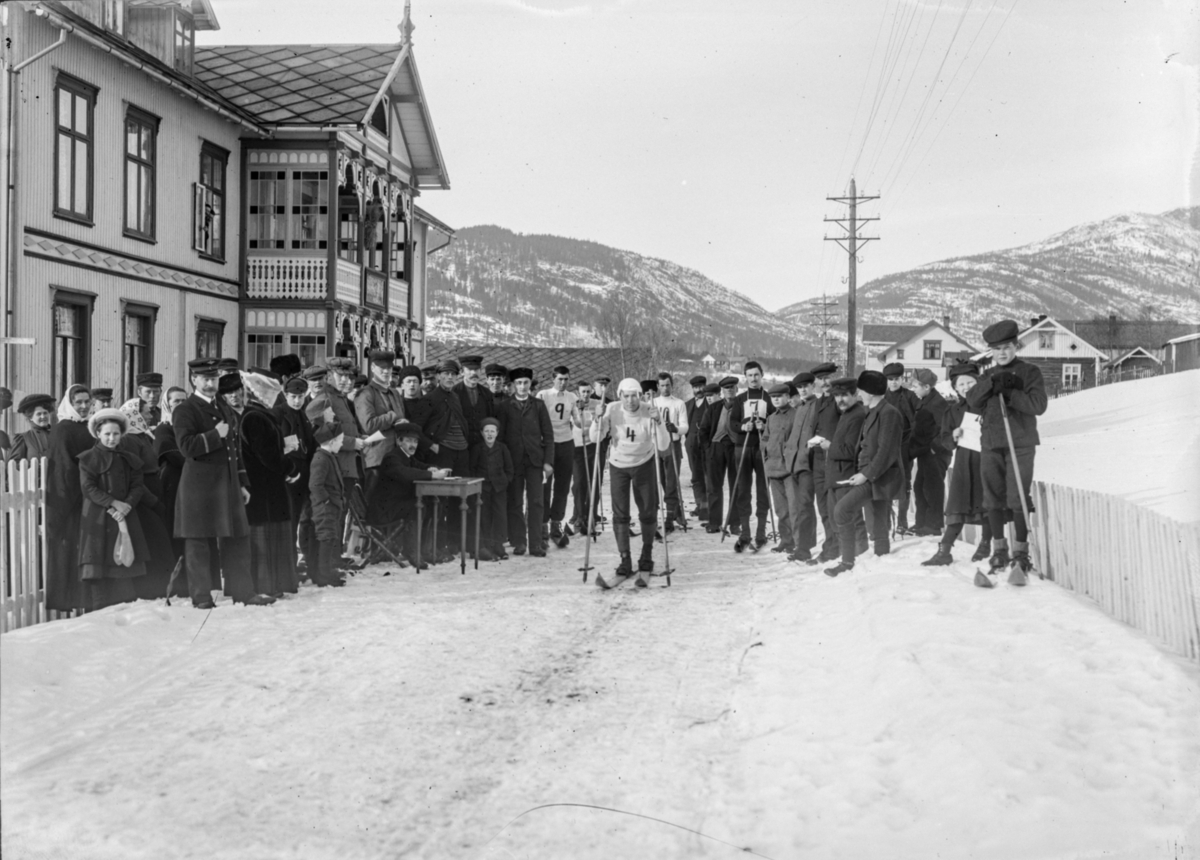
(930, 446)
(525, 423)
(694, 408)
(906, 402)
(879, 474)
(828, 416)
(293, 422)
(841, 455)
(64, 499)
(210, 508)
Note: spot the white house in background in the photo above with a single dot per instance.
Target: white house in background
(1067, 361)
(931, 345)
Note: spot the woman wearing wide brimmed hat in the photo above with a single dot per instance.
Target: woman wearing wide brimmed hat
(112, 546)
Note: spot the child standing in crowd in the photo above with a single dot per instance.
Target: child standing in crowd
(326, 493)
(492, 462)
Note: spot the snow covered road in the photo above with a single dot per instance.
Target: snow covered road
(896, 712)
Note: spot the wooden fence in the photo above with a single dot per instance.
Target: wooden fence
(23, 544)
(1141, 567)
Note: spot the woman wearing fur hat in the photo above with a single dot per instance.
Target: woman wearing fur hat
(638, 437)
(112, 489)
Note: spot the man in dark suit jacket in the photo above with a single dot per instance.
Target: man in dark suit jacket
(476, 401)
(695, 407)
(879, 474)
(210, 507)
(529, 436)
(906, 402)
(716, 434)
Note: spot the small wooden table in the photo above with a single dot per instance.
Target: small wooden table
(454, 488)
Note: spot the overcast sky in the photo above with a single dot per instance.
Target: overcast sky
(710, 133)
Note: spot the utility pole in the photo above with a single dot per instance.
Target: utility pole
(852, 242)
(823, 317)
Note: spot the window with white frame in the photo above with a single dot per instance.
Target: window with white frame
(208, 203)
(900, 354)
(933, 350)
(1072, 374)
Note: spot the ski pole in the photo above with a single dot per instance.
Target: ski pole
(770, 498)
(1012, 452)
(733, 493)
(678, 488)
(662, 503)
(587, 541)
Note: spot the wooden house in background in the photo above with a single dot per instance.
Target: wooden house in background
(931, 346)
(170, 201)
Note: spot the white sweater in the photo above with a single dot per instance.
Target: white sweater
(632, 435)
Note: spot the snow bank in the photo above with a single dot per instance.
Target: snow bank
(1137, 440)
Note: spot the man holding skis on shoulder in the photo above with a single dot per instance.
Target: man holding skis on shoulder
(638, 437)
(1010, 395)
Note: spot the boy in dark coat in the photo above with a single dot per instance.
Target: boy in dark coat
(326, 492)
(1023, 391)
(879, 474)
(492, 462)
(929, 445)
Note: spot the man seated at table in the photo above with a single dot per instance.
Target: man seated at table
(393, 499)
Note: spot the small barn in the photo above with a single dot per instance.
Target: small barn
(1182, 353)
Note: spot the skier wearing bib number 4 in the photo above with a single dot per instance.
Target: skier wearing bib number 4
(638, 437)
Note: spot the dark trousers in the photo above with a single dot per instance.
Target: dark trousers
(752, 464)
(930, 490)
(639, 479)
(493, 517)
(795, 514)
(585, 464)
(1001, 491)
(459, 464)
(297, 498)
(822, 495)
(525, 525)
(204, 557)
(695, 458)
(722, 466)
(905, 494)
(668, 473)
(323, 566)
(783, 495)
(849, 514)
(556, 490)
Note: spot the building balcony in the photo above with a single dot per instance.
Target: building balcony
(287, 277)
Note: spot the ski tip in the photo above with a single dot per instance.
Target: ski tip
(981, 579)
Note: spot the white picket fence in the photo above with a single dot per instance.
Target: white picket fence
(1141, 567)
(23, 545)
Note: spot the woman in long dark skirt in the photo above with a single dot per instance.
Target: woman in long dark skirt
(272, 549)
(111, 481)
(964, 499)
(138, 440)
(68, 439)
(170, 461)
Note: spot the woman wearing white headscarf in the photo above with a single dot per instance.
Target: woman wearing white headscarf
(139, 440)
(64, 500)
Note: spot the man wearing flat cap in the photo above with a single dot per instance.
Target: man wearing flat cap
(879, 474)
(828, 416)
(722, 460)
(906, 402)
(429, 376)
(476, 401)
(841, 459)
(339, 386)
(210, 505)
(497, 379)
(379, 408)
(797, 455)
(102, 398)
(931, 446)
(1021, 388)
(694, 408)
(527, 432)
(444, 424)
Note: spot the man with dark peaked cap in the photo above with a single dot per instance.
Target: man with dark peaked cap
(525, 422)
(497, 378)
(339, 384)
(711, 397)
(102, 398)
(1023, 390)
(746, 430)
(379, 408)
(878, 477)
(798, 454)
(722, 464)
(226, 366)
(828, 416)
(210, 507)
(445, 425)
(38, 410)
(429, 375)
(694, 408)
(149, 391)
(906, 402)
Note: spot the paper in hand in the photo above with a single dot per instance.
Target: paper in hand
(972, 435)
(815, 441)
(374, 438)
(290, 443)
